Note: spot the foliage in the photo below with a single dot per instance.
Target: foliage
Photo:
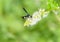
(12, 25)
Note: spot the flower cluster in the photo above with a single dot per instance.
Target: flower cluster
(37, 16)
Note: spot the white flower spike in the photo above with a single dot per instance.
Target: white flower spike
(37, 16)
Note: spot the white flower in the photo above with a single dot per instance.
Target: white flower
(36, 16)
(43, 13)
(56, 11)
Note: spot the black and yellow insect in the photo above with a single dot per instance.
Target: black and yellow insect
(36, 16)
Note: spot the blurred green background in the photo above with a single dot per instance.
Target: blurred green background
(12, 25)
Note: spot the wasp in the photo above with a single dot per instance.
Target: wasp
(27, 14)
